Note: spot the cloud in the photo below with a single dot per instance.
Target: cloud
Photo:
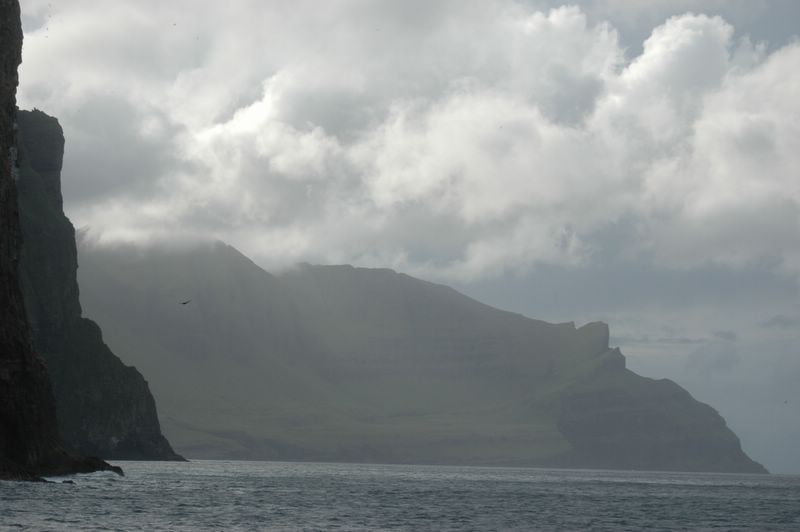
(453, 140)
(729, 336)
(712, 359)
(781, 321)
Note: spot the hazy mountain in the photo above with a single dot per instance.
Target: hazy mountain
(104, 408)
(343, 363)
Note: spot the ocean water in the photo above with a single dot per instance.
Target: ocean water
(225, 495)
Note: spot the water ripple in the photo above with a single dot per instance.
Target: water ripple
(306, 496)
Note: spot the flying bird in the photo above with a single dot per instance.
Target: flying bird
(186, 302)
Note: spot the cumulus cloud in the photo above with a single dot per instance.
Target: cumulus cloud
(449, 139)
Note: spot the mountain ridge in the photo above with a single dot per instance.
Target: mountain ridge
(336, 363)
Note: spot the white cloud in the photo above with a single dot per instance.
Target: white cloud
(455, 140)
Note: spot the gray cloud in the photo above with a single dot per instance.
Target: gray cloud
(275, 128)
(769, 21)
(712, 360)
(781, 321)
(120, 159)
(729, 336)
(638, 340)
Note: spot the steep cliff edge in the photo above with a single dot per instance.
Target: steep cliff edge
(615, 419)
(104, 407)
(29, 441)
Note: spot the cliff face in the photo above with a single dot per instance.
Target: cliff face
(29, 440)
(103, 407)
(615, 419)
(335, 363)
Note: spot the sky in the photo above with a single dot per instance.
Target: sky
(618, 160)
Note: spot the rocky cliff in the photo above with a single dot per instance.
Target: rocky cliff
(335, 363)
(29, 441)
(615, 419)
(104, 407)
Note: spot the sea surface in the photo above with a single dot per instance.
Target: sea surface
(226, 495)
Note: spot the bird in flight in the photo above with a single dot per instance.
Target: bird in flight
(186, 302)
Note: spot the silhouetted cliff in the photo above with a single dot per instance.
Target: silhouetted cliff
(29, 440)
(103, 407)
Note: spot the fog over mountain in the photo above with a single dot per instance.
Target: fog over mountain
(335, 363)
(631, 162)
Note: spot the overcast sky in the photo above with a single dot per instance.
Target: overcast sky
(630, 161)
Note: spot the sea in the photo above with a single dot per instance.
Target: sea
(235, 495)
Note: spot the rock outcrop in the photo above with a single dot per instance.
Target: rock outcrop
(104, 408)
(29, 441)
(335, 363)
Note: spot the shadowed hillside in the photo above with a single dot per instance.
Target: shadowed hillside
(352, 364)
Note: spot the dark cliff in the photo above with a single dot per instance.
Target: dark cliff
(103, 407)
(29, 441)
